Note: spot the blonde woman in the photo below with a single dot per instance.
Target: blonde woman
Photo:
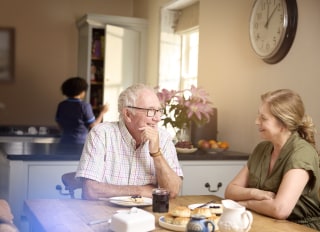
(281, 178)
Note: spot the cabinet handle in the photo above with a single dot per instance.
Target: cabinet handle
(59, 188)
(207, 185)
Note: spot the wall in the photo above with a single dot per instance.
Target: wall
(46, 53)
(235, 77)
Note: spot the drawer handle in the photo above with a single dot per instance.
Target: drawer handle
(207, 185)
(59, 188)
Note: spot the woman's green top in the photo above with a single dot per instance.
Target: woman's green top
(297, 153)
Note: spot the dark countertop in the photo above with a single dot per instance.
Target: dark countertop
(41, 151)
(72, 152)
(223, 155)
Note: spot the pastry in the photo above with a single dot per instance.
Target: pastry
(181, 211)
(181, 221)
(213, 217)
(168, 218)
(202, 211)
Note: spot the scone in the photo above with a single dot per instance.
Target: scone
(181, 221)
(180, 211)
(168, 218)
(213, 217)
(202, 211)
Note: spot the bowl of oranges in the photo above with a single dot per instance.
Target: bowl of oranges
(212, 145)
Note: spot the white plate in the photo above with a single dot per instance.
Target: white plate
(215, 208)
(186, 150)
(127, 201)
(214, 150)
(169, 226)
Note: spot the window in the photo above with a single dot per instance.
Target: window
(179, 42)
(189, 59)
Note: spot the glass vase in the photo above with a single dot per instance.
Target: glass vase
(184, 134)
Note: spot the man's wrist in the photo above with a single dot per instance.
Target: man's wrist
(158, 153)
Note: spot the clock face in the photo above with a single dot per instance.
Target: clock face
(268, 24)
(272, 28)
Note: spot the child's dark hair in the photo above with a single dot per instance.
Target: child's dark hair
(74, 86)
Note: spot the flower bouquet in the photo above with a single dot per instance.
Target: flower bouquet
(184, 107)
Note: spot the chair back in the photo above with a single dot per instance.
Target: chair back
(71, 183)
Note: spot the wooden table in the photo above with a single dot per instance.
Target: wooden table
(61, 215)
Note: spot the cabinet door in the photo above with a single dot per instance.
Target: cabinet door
(121, 65)
(42, 180)
(197, 175)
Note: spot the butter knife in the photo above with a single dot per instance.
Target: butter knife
(205, 204)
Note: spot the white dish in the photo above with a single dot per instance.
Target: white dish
(214, 150)
(169, 226)
(186, 150)
(127, 201)
(215, 208)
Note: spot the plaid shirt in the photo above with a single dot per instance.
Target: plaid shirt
(110, 156)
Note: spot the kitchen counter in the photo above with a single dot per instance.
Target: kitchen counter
(69, 152)
(223, 155)
(29, 131)
(41, 151)
(30, 134)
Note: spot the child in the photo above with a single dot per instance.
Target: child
(74, 116)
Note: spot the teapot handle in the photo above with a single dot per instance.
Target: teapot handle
(207, 222)
(249, 216)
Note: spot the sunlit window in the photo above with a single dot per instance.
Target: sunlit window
(189, 59)
(179, 43)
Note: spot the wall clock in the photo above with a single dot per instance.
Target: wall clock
(273, 25)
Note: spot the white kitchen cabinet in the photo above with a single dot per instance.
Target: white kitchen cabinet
(198, 173)
(43, 177)
(111, 57)
(21, 180)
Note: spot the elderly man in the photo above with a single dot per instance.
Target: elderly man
(132, 156)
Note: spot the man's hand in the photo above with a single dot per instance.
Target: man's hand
(150, 134)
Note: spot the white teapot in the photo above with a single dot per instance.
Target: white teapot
(235, 217)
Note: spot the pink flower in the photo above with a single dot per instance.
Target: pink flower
(184, 106)
(165, 96)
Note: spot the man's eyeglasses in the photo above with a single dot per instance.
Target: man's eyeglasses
(150, 112)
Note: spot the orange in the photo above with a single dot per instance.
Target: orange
(200, 142)
(223, 144)
(213, 143)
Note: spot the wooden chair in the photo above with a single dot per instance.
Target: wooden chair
(71, 183)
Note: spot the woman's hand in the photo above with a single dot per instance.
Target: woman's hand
(258, 194)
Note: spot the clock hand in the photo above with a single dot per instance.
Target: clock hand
(267, 12)
(267, 23)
